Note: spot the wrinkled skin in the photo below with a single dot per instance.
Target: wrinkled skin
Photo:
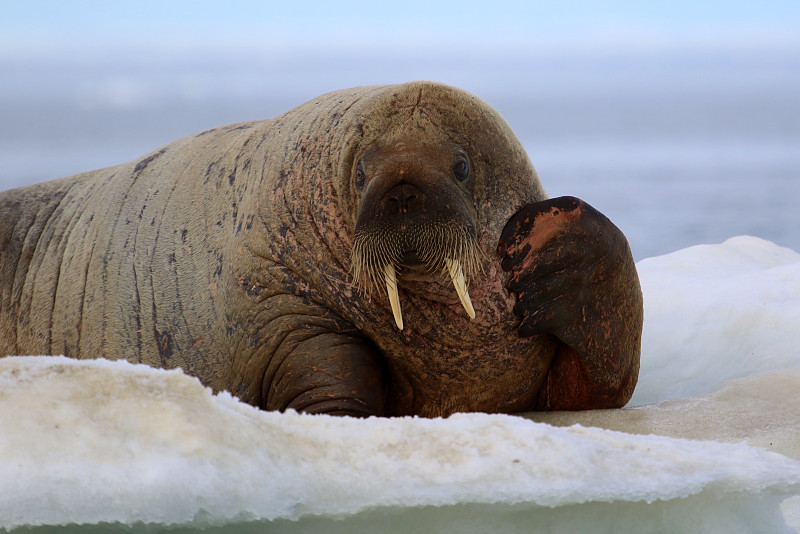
(233, 254)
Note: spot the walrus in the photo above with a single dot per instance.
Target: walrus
(382, 250)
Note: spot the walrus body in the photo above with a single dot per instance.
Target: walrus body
(246, 255)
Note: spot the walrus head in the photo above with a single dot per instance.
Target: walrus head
(426, 178)
(416, 214)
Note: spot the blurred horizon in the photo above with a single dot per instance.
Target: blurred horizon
(679, 120)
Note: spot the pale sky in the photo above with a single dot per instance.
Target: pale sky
(31, 28)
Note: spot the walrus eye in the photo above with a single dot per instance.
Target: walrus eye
(360, 177)
(461, 169)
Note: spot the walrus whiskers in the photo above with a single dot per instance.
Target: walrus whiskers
(441, 247)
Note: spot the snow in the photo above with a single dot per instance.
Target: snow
(717, 312)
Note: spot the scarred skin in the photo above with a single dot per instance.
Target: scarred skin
(229, 254)
(572, 273)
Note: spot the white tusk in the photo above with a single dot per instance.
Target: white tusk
(394, 298)
(457, 275)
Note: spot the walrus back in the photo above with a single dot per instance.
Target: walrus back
(27, 217)
(124, 262)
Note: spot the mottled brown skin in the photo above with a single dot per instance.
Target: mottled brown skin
(228, 254)
(573, 274)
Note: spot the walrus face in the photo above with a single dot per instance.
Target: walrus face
(416, 213)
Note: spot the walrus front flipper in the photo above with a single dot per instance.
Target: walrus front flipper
(327, 373)
(575, 279)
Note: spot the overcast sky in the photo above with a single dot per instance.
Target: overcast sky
(31, 28)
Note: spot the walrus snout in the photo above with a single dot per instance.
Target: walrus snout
(404, 198)
(414, 213)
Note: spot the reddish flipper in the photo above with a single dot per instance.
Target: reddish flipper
(575, 279)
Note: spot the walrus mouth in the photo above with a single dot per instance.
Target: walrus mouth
(378, 255)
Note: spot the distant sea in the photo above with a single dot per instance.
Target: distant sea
(678, 148)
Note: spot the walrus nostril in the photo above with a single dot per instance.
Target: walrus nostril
(404, 198)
